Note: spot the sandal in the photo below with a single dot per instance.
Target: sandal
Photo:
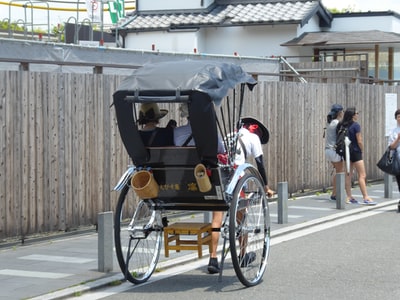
(369, 202)
(351, 201)
(270, 193)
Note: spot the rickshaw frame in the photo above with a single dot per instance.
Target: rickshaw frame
(238, 190)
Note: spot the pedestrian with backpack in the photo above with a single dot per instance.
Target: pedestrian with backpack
(333, 118)
(349, 121)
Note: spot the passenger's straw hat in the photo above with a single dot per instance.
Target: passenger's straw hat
(150, 112)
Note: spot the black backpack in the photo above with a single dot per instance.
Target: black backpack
(340, 145)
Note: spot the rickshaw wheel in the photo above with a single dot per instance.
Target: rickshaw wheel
(137, 245)
(249, 230)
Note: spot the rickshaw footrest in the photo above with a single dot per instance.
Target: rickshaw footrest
(173, 233)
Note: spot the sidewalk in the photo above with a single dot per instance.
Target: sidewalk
(66, 267)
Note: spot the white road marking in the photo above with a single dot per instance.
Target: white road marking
(310, 208)
(382, 191)
(22, 273)
(61, 259)
(323, 226)
(289, 216)
(47, 275)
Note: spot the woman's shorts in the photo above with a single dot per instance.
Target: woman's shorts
(332, 156)
(355, 156)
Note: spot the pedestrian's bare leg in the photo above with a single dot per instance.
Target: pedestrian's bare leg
(348, 182)
(362, 177)
(338, 166)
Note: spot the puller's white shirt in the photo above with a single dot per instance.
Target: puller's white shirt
(252, 143)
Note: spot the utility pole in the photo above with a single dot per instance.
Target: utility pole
(102, 22)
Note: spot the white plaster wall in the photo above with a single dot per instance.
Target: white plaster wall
(383, 23)
(146, 5)
(260, 41)
(304, 53)
(249, 41)
(201, 40)
(311, 26)
(396, 25)
(183, 42)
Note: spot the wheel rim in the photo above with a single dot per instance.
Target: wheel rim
(249, 230)
(137, 249)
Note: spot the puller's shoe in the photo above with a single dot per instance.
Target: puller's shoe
(213, 267)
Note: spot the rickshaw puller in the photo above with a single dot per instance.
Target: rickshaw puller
(251, 136)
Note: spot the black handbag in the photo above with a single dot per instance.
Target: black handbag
(389, 162)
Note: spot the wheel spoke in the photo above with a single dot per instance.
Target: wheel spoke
(249, 230)
(137, 241)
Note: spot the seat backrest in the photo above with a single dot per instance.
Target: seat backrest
(173, 169)
(172, 156)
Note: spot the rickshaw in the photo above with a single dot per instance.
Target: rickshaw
(189, 178)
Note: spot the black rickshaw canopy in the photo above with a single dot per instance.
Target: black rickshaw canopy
(201, 84)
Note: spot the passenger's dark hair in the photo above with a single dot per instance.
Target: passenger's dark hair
(348, 117)
(171, 124)
(397, 112)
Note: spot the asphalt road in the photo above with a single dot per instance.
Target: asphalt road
(356, 257)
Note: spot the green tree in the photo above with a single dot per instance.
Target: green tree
(58, 32)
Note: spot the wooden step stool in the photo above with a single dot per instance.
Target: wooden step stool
(174, 231)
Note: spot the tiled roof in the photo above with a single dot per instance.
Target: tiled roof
(227, 15)
(343, 38)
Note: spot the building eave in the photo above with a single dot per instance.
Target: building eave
(236, 13)
(334, 39)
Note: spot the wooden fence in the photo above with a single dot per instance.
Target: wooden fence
(353, 71)
(61, 154)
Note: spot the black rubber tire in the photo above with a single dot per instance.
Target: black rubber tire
(249, 229)
(140, 251)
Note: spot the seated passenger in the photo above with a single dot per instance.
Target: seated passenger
(183, 134)
(151, 134)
